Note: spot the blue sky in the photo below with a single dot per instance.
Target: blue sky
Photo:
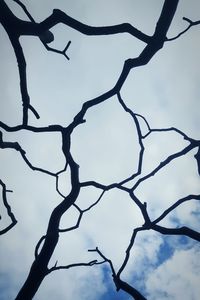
(165, 92)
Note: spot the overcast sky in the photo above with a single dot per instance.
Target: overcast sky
(165, 92)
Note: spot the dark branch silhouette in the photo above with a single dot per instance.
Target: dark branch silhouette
(176, 204)
(120, 284)
(191, 23)
(44, 249)
(8, 208)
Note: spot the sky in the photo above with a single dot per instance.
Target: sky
(165, 92)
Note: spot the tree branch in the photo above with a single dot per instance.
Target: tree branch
(45, 37)
(176, 204)
(128, 250)
(75, 226)
(8, 208)
(139, 133)
(47, 243)
(59, 16)
(81, 212)
(50, 128)
(89, 264)
(191, 23)
(187, 138)
(120, 284)
(39, 268)
(17, 147)
(164, 163)
(178, 231)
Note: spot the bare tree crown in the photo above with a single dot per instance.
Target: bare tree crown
(128, 185)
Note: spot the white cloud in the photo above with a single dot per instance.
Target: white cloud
(83, 283)
(143, 257)
(106, 147)
(165, 92)
(177, 278)
(175, 181)
(109, 225)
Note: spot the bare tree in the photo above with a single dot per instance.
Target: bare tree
(17, 28)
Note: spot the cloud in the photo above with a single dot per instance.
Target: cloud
(175, 181)
(165, 92)
(177, 278)
(106, 147)
(87, 284)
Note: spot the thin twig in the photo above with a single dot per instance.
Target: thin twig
(191, 23)
(55, 268)
(8, 208)
(176, 204)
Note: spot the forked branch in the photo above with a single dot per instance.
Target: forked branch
(191, 24)
(119, 283)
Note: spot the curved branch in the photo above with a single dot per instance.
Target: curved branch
(36, 168)
(178, 231)
(144, 119)
(75, 226)
(176, 204)
(154, 44)
(164, 163)
(187, 138)
(23, 78)
(139, 133)
(105, 187)
(120, 284)
(25, 10)
(13, 26)
(89, 264)
(81, 212)
(34, 111)
(45, 37)
(8, 208)
(59, 16)
(95, 203)
(191, 23)
(39, 268)
(50, 128)
(128, 250)
(17, 147)
(38, 246)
